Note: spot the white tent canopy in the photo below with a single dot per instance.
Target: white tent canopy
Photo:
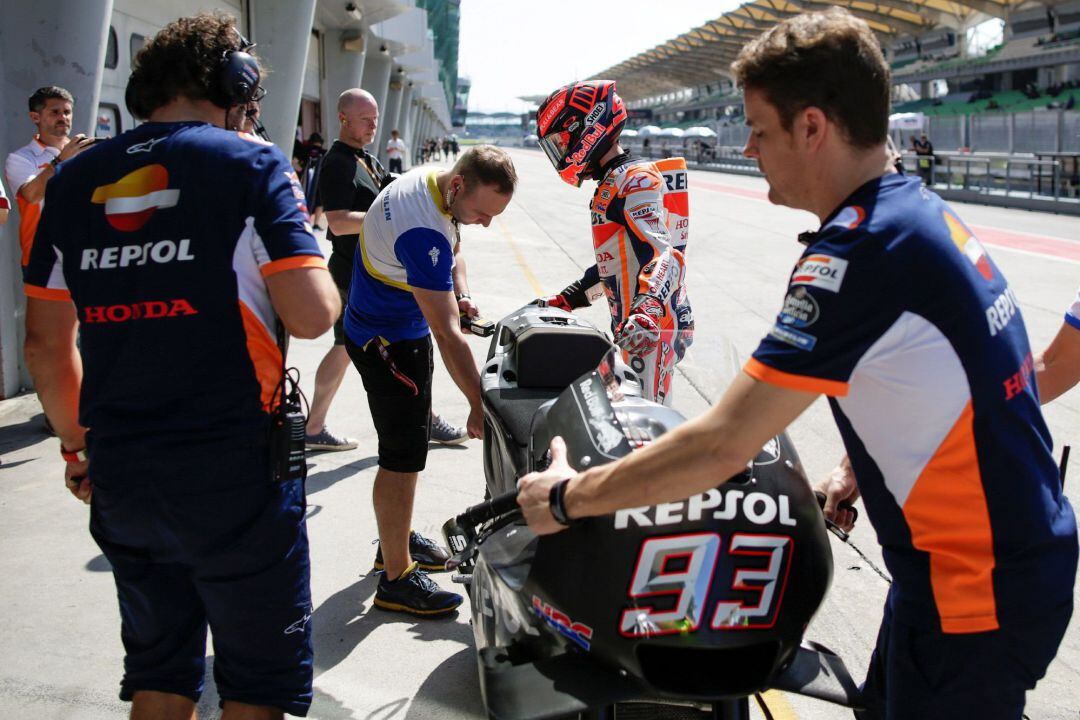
(629, 133)
(648, 131)
(699, 131)
(907, 121)
(670, 132)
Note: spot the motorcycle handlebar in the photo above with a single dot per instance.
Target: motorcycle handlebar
(490, 510)
(844, 505)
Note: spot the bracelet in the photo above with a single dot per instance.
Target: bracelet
(73, 456)
(557, 503)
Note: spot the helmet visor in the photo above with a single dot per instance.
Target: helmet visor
(555, 146)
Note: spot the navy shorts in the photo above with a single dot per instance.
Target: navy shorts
(924, 674)
(397, 379)
(201, 537)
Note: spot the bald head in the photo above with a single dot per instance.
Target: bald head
(354, 99)
(359, 116)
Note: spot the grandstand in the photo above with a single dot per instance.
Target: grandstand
(1016, 95)
(937, 70)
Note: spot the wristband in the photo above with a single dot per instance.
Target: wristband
(73, 456)
(557, 503)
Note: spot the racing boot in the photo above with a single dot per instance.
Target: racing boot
(415, 593)
(427, 553)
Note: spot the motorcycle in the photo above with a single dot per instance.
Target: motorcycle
(681, 610)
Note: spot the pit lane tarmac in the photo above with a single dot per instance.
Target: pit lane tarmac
(60, 645)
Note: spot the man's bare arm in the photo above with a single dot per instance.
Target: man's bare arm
(345, 222)
(55, 365)
(699, 454)
(441, 312)
(34, 190)
(1057, 368)
(306, 300)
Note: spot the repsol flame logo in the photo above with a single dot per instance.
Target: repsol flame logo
(131, 201)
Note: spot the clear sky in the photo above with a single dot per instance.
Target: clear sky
(518, 47)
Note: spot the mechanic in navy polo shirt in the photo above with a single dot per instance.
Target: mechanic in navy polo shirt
(896, 313)
(179, 246)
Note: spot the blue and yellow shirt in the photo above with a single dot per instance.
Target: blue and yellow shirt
(407, 242)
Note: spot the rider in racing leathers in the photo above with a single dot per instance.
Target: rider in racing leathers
(639, 226)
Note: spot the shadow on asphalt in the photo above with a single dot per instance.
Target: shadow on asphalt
(345, 619)
(22, 435)
(452, 689)
(432, 445)
(98, 563)
(321, 480)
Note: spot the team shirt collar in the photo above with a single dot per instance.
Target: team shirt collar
(433, 188)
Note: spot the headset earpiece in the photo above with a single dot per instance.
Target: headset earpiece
(237, 80)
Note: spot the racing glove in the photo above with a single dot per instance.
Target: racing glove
(639, 332)
(573, 296)
(556, 301)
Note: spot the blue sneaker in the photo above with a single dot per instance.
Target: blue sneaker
(415, 593)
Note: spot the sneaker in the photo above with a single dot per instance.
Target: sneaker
(427, 553)
(327, 440)
(444, 433)
(414, 592)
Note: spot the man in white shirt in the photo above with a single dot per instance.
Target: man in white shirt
(31, 166)
(4, 206)
(395, 152)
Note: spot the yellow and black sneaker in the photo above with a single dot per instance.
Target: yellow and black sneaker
(430, 555)
(415, 593)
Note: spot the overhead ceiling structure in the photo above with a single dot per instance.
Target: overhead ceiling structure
(703, 55)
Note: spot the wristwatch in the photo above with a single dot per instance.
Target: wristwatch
(55, 161)
(73, 456)
(557, 503)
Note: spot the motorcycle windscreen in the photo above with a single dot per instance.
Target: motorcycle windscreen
(585, 419)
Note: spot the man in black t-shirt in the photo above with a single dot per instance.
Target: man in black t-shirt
(349, 180)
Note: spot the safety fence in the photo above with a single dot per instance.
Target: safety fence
(1039, 181)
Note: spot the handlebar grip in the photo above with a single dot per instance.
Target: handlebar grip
(842, 506)
(491, 509)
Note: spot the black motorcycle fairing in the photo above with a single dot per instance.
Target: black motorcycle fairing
(697, 600)
(534, 355)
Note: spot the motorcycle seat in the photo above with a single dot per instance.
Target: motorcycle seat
(515, 408)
